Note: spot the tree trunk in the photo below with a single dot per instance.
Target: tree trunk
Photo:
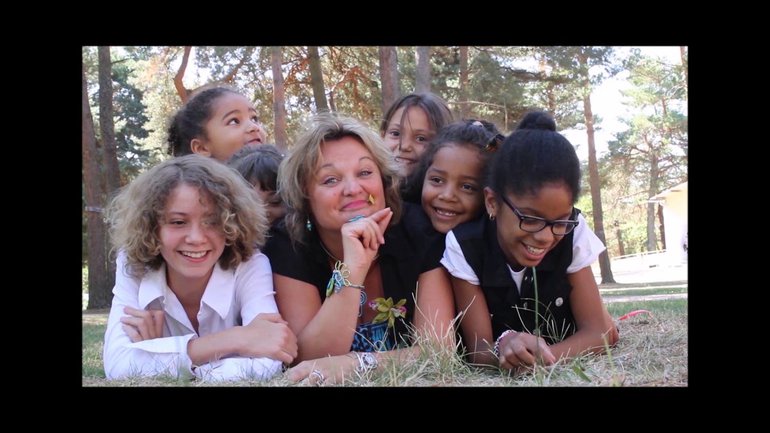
(422, 59)
(593, 174)
(465, 109)
(391, 90)
(661, 227)
(619, 234)
(279, 100)
(684, 68)
(181, 90)
(109, 152)
(99, 292)
(317, 80)
(596, 193)
(652, 241)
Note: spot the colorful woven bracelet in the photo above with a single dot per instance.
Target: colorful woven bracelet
(339, 279)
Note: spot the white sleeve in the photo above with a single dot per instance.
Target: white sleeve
(122, 358)
(255, 294)
(239, 369)
(586, 246)
(254, 287)
(454, 261)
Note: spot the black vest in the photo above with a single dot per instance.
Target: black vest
(508, 309)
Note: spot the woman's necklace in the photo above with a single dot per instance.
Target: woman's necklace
(331, 256)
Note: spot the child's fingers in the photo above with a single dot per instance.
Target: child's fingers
(145, 322)
(271, 317)
(158, 316)
(132, 333)
(134, 311)
(544, 352)
(139, 324)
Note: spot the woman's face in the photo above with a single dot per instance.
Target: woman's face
(345, 178)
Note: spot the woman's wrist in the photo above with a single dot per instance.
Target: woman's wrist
(341, 278)
(365, 361)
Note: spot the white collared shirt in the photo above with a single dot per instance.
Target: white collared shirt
(586, 248)
(232, 298)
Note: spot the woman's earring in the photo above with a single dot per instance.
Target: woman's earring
(309, 225)
(491, 217)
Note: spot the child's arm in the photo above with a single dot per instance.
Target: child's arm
(264, 341)
(435, 307)
(248, 344)
(595, 329)
(122, 358)
(475, 324)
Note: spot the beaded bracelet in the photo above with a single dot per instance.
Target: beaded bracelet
(496, 350)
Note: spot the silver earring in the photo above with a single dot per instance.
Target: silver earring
(309, 225)
(491, 217)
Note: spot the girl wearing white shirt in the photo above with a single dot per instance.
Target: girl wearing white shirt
(522, 278)
(193, 294)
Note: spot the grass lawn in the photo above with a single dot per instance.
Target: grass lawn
(653, 351)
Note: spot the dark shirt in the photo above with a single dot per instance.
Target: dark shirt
(509, 309)
(411, 247)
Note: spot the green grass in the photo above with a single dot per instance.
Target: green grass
(653, 351)
(93, 342)
(644, 292)
(666, 306)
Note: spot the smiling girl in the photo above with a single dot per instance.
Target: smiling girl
(215, 122)
(522, 276)
(193, 295)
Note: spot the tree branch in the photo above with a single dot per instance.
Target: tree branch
(181, 90)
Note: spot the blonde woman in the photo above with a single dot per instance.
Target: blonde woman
(354, 271)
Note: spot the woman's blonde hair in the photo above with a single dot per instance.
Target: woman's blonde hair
(134, 215)
(299, 167)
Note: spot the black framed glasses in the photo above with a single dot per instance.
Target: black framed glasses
(533, 224)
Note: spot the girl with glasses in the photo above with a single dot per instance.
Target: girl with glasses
(523, 276)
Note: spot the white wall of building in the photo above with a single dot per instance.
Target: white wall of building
(674, 202)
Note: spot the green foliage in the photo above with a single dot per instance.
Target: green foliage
(129, 112)
(653, 150)
(655, 144)
(505, 81)
(154, 80)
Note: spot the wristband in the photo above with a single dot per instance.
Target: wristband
(496, 350)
